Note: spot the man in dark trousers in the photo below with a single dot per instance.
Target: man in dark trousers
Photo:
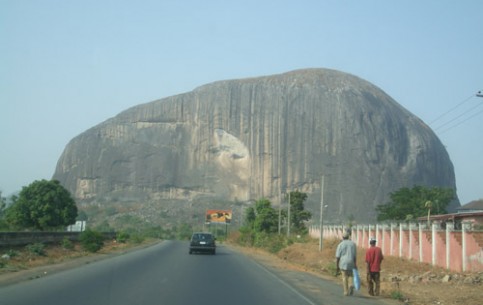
(374, 258)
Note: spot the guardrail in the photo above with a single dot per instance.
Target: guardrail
(25, 238)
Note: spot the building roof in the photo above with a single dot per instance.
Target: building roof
(474, 206)
(453, 216)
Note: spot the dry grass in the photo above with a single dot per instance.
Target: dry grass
(22, 260)
(413, 283)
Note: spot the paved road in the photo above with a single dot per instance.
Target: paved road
(167, 274)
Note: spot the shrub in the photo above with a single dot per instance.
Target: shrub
(37, 249)
(332, 269)
(247, 237)
(271, 242)
(397, 295)
(91, 241)
(67, 244)
(12, 253)
(122, 237)
(136, 238)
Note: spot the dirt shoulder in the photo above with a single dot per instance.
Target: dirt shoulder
(22, 265)
(406, 281)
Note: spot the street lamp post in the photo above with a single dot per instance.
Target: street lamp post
(321, 213)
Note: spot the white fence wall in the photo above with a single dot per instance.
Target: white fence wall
(457, 250)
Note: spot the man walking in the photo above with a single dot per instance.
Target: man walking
(374, 258)
(346, 255)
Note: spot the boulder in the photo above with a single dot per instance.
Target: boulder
(244, 139)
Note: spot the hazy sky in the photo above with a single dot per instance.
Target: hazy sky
(66, 66)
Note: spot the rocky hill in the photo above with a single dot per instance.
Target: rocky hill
(241, 140)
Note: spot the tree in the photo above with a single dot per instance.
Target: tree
(250, 217)
(3, 204)
(412, 203)
(266, 218)
(298, 214)
(42, 205)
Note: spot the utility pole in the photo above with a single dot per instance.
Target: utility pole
(280, 214)
(288, 216)
(321, 213)
(279, 170)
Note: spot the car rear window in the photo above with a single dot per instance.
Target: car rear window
(202, 237)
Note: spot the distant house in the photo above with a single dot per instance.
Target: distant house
(471, 213)
(472, 207)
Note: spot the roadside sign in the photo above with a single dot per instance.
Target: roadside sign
(219, 216)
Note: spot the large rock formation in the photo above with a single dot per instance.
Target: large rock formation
(245, 139)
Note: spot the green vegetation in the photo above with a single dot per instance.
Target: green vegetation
(3, 204)
(261, 223)
(67, 244)
(298, 214)
(407, 204)
(37, 249)
(3, 207)
(42, 205)
(332, 269)
(123, 237)
(12, 253)
(91, 240)
(397, 295)
(183, 232)
(264, 218)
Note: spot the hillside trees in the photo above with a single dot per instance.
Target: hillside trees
(3, 206)
(42, 205)
(298, 214)
(416, 202)
(261, 223)
(266, 218)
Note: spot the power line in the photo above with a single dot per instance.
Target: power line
(452, 109)
(457, 117)
(472, 109)
(479, 112)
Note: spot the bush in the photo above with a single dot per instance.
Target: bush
(247, 237)
(91, 241)
(12, 253)
(122, 237)
(136, 238)
(67, 244)
(397, 295)
(271, 242)
(37, 249)
(332, 269)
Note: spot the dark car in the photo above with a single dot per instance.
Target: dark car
(203, 242)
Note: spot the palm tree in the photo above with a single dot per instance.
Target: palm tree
(428, 204)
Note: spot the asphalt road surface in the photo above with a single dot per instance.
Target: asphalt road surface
(165, 274)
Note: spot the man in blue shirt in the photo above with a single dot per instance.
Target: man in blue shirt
(346, 255)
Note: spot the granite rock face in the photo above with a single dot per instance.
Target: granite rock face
(245, 139)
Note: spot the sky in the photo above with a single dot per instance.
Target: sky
(66, 66)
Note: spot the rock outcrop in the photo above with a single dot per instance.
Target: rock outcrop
(241, 140)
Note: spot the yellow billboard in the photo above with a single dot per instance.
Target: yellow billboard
(223, 216)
